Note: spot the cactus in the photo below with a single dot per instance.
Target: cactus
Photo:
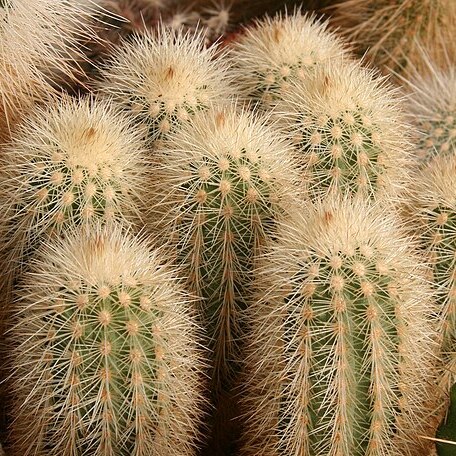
(276, 49)
(77, 161)
(433, 209)
(348, 126)
(446, 433)
(342, 340)
(221, 185)
(391, 32)
(165, 78)
(39, 43)
(432, 105)
(106, 359)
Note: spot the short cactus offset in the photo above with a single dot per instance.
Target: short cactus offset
(222, 184)
(348, 126)
(391, 32)
(276, 49)
(106, 359)
(433, 210)
(432, 104)
(164, 78)
(342, 340)
(78, 161)
(39, 40)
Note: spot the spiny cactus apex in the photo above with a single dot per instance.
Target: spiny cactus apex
(106, 359)
(342, 339)
(434, 212)
(432, 104)
(274, 50)
(221, 185)
(78, 161)
(348, 126)
(39, 41)
(165, 78)
(391, 32)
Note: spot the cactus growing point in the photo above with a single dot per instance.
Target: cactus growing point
(165, 77)
(348, 125)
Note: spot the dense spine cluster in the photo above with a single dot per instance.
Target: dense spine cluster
(432, 105)
(79, 161)
(39, 42)
(222, 184)
(434, 210)
(164, 78)
(106, 359)
(342, 344)
(348, 126)
(276, 50)
(392, 33)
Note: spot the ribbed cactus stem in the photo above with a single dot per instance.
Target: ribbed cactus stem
(434, 211)
(392, 33)
(78, 161)
(222, 184)
(106, 356)
(164, 78)
(347, 124)
(342, 339)
(432, 105)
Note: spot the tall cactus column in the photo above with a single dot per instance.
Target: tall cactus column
(222, 184)
(342, 341)
(106, 359)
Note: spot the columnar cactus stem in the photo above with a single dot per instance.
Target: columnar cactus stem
(348, 126)
(432, 105)
(272, 51)
(222, 184)
(433, 209)
(78, 161)
(392, 32)
(164, 78)
(343, 340)
(106, 356)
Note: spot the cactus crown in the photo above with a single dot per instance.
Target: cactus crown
(164, 78)
(393, 31)
(348, 126)
(432, 104)
(106, 359)
(78, 161)
(39, 41)
(340, 333)
(222, 184)
(277, 49)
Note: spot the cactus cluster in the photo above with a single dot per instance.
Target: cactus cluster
(295, 295)
(164, 78)
(348, 127)
(341, 331)
(107, 360)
